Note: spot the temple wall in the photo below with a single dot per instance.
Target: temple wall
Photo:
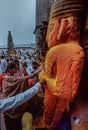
(42, 16)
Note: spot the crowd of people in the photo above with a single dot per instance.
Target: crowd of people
(18, 83)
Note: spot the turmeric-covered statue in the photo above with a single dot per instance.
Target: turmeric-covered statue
(64, 60)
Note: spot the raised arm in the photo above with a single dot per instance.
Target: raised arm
(12, 102)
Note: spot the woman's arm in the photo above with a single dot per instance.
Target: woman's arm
(35, 72)
(11, 102)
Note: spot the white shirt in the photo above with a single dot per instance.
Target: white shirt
(14, 101)
(29, 69)
(3, 65)
(0, 69)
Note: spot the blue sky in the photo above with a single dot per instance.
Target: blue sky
(18, 16)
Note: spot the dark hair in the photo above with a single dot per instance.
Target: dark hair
(2, 57)
(34, 63)
(10, 66)
(16, 61)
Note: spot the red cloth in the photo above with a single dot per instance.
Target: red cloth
(30, 82)
(1, 78)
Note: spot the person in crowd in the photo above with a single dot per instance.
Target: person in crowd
(14, 101)
(28, 60)
(18, 99)
(11, 86)
(0, 67)
(30, 70)
(19, 72)
(3, 64)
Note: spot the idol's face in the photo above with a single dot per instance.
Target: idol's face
(60, 31)
(68, 30)
(52, 31)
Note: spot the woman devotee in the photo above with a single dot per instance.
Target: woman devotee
(11, 86)
(14, 101)
(19, 72)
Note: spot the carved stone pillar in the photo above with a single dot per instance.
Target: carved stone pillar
(65, 58)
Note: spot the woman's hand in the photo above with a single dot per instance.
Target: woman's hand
(39, 69)
(42, 81)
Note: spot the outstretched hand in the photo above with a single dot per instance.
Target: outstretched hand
(42, 81)
(40, 68)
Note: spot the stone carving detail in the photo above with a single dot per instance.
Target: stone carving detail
(64, 60)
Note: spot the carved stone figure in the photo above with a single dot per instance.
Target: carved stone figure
(65, 58)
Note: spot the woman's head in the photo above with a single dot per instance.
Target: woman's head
(11, 68)
(35, 65)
